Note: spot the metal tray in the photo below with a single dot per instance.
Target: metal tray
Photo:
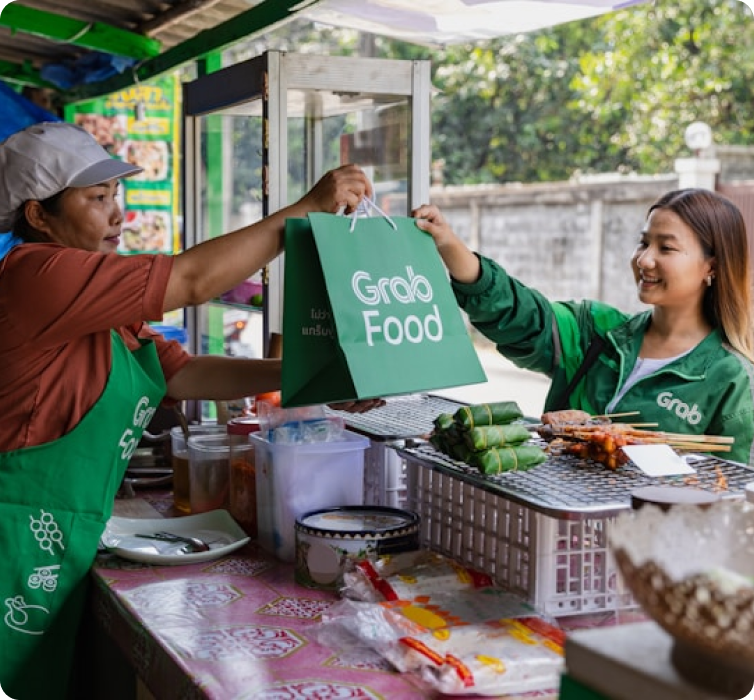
(400, 418)
(570, 488)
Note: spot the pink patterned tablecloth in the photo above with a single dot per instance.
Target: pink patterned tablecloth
(236, 628)
(240, 628)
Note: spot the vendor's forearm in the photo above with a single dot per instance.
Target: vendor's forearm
(224, 378)
(211, 268)
(207, 270)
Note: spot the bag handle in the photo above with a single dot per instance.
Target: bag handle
(593, 351)
(365, 207)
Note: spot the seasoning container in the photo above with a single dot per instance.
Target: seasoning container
(209, 472)
(667, 496)
(179, 457)
(327, 539)
(243, 478)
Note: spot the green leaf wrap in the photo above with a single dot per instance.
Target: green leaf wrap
(487, 436)
(443, 421)
(497, 460)
(488, 414)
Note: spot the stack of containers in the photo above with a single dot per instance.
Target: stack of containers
(293, 479)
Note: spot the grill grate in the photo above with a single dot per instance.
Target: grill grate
(401, 417)
(571, 488)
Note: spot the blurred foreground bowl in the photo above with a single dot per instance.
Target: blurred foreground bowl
(692, 571)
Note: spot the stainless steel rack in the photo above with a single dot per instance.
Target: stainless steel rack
(571, 488)
(401, 417)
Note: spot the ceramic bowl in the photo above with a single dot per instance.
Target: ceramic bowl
(692, 571)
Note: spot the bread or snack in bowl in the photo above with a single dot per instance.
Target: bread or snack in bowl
(692, 571)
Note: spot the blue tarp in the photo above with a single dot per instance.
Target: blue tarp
(16, 112)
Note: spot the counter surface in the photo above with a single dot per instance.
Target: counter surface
(235, 628)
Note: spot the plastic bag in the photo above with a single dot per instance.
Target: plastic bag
(306, 424)
(409, 575)
(474, 641)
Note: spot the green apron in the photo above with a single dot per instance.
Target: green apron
(55, 500)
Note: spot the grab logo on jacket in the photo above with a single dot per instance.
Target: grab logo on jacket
(397, 295)
(689, 414)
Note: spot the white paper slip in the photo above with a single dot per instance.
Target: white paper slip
(657, 460)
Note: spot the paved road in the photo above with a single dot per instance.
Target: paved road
(505, 382)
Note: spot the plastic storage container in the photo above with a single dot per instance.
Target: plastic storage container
(209, 472)
(293, 479)
(180, 461)
(243, 483)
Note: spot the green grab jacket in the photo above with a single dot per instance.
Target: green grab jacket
(708, 391)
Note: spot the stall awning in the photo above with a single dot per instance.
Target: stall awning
(101, 46)
(443, 22)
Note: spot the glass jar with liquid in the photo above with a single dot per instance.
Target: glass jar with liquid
(180, 461)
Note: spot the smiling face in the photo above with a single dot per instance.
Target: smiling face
(89, 218)
(669, 264)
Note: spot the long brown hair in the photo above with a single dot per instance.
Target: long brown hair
(720, 228)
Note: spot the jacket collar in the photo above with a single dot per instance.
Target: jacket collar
(628, 337)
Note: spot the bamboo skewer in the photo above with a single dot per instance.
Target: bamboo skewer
(686, 446)
(618, 415)
(646, 434)
(633, 434)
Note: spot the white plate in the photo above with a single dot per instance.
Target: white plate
(217, 528)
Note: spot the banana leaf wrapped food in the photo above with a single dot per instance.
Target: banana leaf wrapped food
(487, 414)
(487, 436)
(443, 421)
(497, 460)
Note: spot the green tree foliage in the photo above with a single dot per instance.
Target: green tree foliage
(660, 68)
(614, 93)
(503, 114)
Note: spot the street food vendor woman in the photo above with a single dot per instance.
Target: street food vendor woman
(81, 373)
(686, 364)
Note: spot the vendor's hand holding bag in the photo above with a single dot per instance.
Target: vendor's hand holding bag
(368, 312)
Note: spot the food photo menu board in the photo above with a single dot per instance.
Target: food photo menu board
(140, 125)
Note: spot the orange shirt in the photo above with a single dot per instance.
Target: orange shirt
(57, 308)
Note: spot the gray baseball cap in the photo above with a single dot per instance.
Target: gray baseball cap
(48, 157)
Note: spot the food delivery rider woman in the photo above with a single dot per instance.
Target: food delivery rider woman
(686, 364)
(81, 373)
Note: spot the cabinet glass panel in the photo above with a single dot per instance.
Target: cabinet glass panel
(260, 133)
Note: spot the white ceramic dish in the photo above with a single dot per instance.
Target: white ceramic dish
(217, 528)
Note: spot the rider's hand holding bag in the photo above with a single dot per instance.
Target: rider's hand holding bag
(368, 312)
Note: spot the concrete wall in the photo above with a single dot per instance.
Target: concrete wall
(570, 240)
(574, 240)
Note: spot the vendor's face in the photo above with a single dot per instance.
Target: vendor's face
(669, 264)
(90, 218)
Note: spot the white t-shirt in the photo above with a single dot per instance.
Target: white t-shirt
(642, 368)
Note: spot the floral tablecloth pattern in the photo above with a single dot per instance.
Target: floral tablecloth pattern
(236, 628)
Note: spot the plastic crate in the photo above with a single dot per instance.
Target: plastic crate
(384, 475)
(401, 419)
(563, 567)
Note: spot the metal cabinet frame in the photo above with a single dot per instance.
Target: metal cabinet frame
(266, 79)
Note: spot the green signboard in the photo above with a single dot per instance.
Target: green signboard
(140, 125)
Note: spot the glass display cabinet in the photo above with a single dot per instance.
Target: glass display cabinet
(258, 135)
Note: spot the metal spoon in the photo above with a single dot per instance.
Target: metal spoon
(193, 544)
